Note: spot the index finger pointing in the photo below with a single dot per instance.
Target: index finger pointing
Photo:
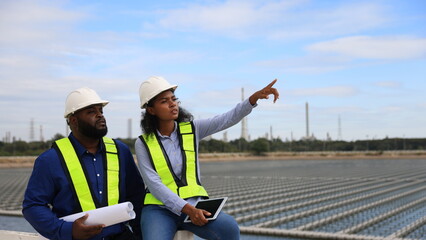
(272, 83)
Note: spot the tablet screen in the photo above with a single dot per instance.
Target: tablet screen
(213, 206)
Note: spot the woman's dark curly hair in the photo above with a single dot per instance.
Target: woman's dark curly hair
(149, 122)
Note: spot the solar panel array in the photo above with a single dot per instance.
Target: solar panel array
(303, 199)
(384, 201)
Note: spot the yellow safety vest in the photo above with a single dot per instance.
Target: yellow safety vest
(74, 169)
(188, 185)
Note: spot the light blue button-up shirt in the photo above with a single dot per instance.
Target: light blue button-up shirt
(203, 128)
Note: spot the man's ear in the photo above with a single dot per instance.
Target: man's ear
(72, 120)
(150, 110)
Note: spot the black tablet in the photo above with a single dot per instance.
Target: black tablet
(211, 205)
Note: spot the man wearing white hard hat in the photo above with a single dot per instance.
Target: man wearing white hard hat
(83, 172)
(167, 154)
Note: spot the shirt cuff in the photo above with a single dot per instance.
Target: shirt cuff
(178, 206)
(248, 103)
(66, 230)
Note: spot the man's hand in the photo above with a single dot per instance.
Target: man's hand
(197, 215)
(81, 231)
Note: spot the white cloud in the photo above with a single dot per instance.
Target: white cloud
(333, 20)
(40, 23)
(341, 54)
(33, 36)
(422, 105)
(389, 47)
(388, 84)
(230, 17)
(337, 110)
(309, 64)
(392, 109)
(334, 91)
(42, 45)
(271, 19)
(48, 48)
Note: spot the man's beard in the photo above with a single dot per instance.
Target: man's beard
(91, 131)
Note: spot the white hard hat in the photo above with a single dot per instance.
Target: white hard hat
(152, 87)
(81, 98)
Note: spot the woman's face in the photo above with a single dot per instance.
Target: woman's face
(165, 106)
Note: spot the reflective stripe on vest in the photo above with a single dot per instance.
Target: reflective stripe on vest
(78, 179)
(189, 184)
(113, 171)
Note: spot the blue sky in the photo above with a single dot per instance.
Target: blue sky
(362, 61)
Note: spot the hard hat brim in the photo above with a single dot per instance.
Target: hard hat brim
(84, 105)
(154, 94)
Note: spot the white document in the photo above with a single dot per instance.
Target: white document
(108, 216)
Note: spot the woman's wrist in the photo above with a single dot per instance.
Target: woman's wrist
(253, 99)
(188, 209)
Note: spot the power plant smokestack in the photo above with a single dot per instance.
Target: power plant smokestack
(307, 120)
(32, 130)
(41, 134)
(243, 121)
(129, 128)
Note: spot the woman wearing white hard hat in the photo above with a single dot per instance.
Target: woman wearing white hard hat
(167, 158)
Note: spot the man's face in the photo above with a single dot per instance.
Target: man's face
(91, 121)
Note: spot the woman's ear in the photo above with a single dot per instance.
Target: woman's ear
(150, 110)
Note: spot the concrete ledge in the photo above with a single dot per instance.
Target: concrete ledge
(184, 235)
(13, 235)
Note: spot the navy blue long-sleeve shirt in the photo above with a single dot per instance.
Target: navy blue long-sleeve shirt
(49, 197)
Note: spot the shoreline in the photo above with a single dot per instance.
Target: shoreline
(28, 161)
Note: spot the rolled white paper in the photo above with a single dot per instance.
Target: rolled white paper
(108, 216)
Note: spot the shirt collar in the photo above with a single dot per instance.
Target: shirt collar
(80, 149)
(173, 133)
